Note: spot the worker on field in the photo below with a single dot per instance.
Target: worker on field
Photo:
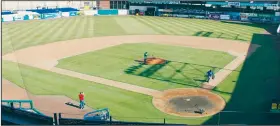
(145, 57)
(210, 74)
(82, 100)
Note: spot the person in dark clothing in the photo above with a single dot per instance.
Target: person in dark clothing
(145, 57)
(210, 74)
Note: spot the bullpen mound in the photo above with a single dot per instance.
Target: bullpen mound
(189, 102)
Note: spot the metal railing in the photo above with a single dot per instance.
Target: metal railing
(224, 117)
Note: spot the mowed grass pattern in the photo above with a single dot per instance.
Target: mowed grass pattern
(123, 105)
(129, 106)
(186, 67)
(20, 35)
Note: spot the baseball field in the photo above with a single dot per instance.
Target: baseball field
(51, 61)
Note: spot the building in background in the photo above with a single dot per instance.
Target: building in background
(248, 11)
(25, 5)
(119, 4)
(92, 4)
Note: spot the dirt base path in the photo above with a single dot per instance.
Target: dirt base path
(47, 56)
(223, 73)
(112, 83)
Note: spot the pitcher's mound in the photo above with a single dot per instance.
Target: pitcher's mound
(189, 102)
(152, 61)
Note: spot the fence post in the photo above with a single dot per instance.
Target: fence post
(219, 118)
(164, 121)
(55, 118)
(12, 105)
(59, 115)
(110, 120)
(31, 104)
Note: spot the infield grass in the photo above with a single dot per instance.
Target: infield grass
(186, 67)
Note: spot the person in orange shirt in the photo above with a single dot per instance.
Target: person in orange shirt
(82, 100)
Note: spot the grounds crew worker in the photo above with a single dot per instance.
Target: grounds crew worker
(145, 57)
(82, 100)
(210, 74)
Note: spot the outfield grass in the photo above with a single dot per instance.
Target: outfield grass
(187, 66)
(35, 32)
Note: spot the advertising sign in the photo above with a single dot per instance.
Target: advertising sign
(30, 16)
(50, 15)
(73, 13)
(214, 16)
(214, 12)
(277, 13)
(18, 17)
(123, 12)
(90, 12)
(267, 19)
(233, 13)
(9, 17)
(182, 16)
(26, 17)
(224, 17)
(276, 19)
(234, 16)
(254, 19)
(65, 14)
(165, 10)
(245, 16)
(265, 15)
(252, 14)
(200, 17)
(36, 16)
(234, 3)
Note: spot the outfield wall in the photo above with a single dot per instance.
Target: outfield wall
(27, 15)
(24, 5)
(235, 16)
